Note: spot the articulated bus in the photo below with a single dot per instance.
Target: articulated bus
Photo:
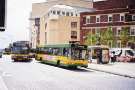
(69, 55)
(21, 51)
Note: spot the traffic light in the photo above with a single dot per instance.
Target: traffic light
(2, 15)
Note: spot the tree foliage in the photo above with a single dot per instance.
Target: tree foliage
(103, 37)
(107, 36)
(91, 39)
(124, 37)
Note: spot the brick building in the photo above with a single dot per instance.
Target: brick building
(117, 14)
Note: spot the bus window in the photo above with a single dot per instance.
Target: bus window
(83, 54)
(94, 54)
(65, 52)
(56, 51)
(50, 51)
(78, 54)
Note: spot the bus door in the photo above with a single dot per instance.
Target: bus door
(93, 55)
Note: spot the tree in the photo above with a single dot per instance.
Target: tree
(107, 36)
(103, 37)
(124, 37)
(91, 39)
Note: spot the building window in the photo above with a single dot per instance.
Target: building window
(45, 26)
(132, 31)
(58, 12)
(48, 14)
(73, 24)
(73, 34)
(118, 31)
(45, 37)
(67, 13)
(63, 13)
(97, 19)
(118, 44)
(121, 17)
(37, 21)
(84, 20)
(97, 31)
(110, 44)
(110, 18)
(71, 14)
(54, 12)
(87, 19)
(133, 17)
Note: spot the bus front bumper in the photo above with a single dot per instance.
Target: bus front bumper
(20, 57)
(80, 63)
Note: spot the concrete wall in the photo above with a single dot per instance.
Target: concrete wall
(59, 32)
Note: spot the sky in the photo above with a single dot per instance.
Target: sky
(17, 23)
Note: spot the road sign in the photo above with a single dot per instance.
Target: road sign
(2, 15)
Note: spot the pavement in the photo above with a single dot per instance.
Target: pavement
(2, 84)
(117, 68)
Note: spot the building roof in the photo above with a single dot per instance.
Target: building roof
(81, 9)
(62, 7)
(72, 8)
(110, 4)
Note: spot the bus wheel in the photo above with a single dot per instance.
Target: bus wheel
(58, 63)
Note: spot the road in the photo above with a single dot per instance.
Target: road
(36, 76)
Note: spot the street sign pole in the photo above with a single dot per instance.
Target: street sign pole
(2, 14)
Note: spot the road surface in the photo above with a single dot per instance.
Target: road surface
(37, 76)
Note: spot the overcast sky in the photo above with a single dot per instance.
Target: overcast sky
(18, 12)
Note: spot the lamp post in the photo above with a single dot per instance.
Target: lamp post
(98, 39)
(2, 15)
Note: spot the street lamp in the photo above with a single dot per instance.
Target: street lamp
(98, 39)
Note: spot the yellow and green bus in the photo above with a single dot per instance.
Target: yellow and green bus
(21, 51)
(69, 55)
(7, 51)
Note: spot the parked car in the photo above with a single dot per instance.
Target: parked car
(123, 54)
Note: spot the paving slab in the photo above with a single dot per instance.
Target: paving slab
(118, 68)
(2, 84)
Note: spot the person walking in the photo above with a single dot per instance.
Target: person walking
(89, 56)
(113, 57)
(99, 56)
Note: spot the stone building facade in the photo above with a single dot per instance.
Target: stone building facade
(51, 23)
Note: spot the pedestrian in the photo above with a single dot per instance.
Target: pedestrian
(113, 57)
(89, 56)
(99, 56)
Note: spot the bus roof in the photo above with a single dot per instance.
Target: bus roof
(56, 45)
(60, 45)
(98, 46)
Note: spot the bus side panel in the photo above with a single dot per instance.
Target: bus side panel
(49, 59)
